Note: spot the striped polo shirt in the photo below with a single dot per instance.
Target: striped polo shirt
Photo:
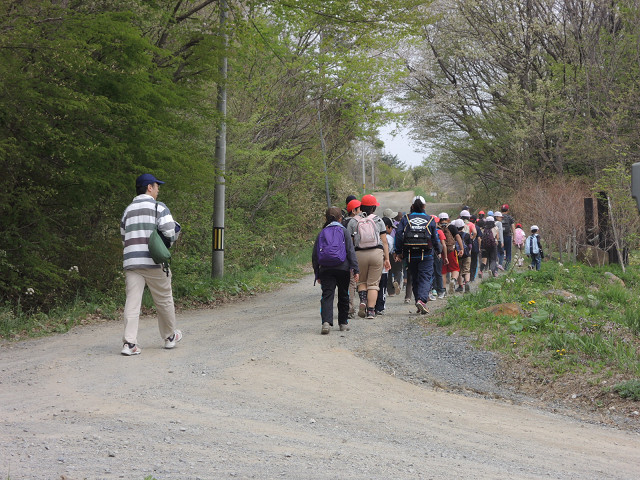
(137, 224)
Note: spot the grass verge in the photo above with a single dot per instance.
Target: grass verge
(569, 328)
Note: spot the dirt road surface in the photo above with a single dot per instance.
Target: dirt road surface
(254, 391)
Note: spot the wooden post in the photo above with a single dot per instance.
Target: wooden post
(589, 223)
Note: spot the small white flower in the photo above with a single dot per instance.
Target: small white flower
(560, 264)
(74, 269)
(30, 291)
(566, 270)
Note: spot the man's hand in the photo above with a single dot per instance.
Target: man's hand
(356, 277)
(387, 265)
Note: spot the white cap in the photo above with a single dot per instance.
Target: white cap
(489, 219)
(444, 216)
(497, 213)
(418, 197)
(458, 223)
(465, 213)
(534, 227)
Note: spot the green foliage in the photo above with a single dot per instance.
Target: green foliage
(573, 316)
(630, 389)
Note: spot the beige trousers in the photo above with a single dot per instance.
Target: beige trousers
(160, 287)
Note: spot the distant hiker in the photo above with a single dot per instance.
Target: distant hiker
(353, 209)
(508, 226)
(533, 248)
(369, 236)
(417, 241)
(518, 239)
(437, 284)
(382, 294)
(498, 222)
(333, 259)
(140, 219)
(468, 234)
(345, 213)
(489, 247)
(475, 250)
(453, 242)
(394, 276)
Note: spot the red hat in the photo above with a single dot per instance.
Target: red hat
(369, 201)
(435, 218)
(352, 205)
(518, 225)
(505, 207)
(481, 212)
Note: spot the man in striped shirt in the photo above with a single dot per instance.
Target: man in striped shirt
(139, 220)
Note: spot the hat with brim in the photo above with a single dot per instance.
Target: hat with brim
(352, 205)
(147, 179)
(389, 213)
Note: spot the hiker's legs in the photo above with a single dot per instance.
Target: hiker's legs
(328, 282)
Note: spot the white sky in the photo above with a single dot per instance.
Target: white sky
(401, 146)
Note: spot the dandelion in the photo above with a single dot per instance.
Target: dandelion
(532, 302)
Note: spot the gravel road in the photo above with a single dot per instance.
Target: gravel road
(254, 391)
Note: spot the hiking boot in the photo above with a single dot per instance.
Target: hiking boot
(362, 310)
(344, 327)
(129, 349)
(326, 328)
(459, 289)
(442, 295)
(467, 288)
(371, 313)
(171, 341)
(351, 315)
(422, 307)
(379, 312)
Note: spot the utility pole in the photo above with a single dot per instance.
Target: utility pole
(217, 240)
(323, 146)
(364, 173)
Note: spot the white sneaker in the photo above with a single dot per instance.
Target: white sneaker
(173, 339)
(129, 349)
(432, 297)
(442, 295)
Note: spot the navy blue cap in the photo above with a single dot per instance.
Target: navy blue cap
(147, 179)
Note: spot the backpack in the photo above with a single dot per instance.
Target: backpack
(476, 246)
(417, 234)
(467, 243)
(449, 240)
(488, 239)
(331, 248)
(366, 234)
(532, 246)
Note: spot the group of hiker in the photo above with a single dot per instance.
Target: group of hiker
(365, 255)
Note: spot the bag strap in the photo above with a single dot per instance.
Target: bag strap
(165, 265)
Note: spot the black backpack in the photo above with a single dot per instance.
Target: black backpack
(417, 233)
(488, 239)
(467, 243)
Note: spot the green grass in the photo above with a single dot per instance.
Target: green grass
(192, 285)
(595, 331)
